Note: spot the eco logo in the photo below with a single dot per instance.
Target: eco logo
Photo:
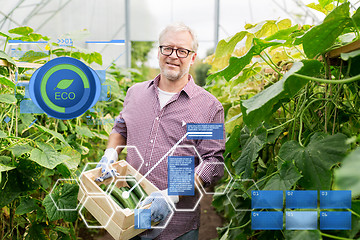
(65, 88)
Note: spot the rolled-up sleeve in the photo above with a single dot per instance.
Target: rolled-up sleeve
(211, 169)
(120, 124)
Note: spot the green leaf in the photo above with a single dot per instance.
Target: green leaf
(285, 179)
(47, 158)
(74, 157)
(7, 98)
(26, 205)
(53, 133)
(21, 30)
(19, 150)
(65, 197)
(324, 3)
(4, 168)
(356, 17)
(4, 35)
(321, 37)
(225, 48)
(316, 159)
(347, 176)
(64, 84)
(3, 55)
(346, 56)
(251, 144)
(36, 232)
(84, 131)
(263, 104)
(6, 82)
(246, 74)
(283, 34)
(32, 56)
(303, 235)
(237, 64)
(97, 57)
(3, 134)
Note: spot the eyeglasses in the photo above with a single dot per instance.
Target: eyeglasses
(180, 52)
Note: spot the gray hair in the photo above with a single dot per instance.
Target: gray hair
(179, 27)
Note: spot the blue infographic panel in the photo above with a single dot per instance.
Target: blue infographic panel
(205, 130)
(335, 199)
(181, 172)
(301, 199)
(304, 220)
(335, 220)
(142, 218)
(266, 220)
(267, 199)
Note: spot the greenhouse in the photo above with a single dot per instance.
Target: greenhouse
(246, 119)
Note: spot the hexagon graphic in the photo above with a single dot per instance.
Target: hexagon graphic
(187, 154)
(105, 204)
(164, 223)
(227, 194)
(136, 151)
(125, 195)
(55, 203)
(195, 205)
(227, 186)
(86, 175)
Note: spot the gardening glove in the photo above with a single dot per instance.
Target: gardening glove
(160, 210)
(109, 157)
(160, 201)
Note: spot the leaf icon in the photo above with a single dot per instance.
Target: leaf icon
(64, 84)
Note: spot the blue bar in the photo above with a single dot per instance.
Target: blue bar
(20, 41)
(304, 220)
(267, 220)
(205, 131)
(301, 199)
(267, 199)
(142, 218)
(335, 199)
(335, 220)
(115, 41)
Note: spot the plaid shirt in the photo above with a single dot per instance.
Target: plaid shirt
(154, 131)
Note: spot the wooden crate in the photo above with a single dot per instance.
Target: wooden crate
(121, 225)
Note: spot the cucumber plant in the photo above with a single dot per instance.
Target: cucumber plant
(292, 115)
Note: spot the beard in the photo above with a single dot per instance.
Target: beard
(175, 75)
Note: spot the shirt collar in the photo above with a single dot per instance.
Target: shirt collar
(188, 89)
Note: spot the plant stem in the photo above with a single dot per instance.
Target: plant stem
(273, 68)
(279, 126)
(347, 80)
(244, 225)
(334, 237)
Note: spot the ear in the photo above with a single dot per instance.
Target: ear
(193, 57)
(158, 55)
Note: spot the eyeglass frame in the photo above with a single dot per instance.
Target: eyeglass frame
(176, 51)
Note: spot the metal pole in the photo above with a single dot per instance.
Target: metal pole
(217, 19)
(127, 34)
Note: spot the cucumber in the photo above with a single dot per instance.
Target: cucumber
(117, 202)
(128, 203)
(103, 187)
(133, 196)
(139, 191)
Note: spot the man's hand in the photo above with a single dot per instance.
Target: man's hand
(160, 204)
(109, 157)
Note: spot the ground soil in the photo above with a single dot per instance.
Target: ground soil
(209, 221)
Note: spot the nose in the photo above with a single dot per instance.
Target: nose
(173, 54)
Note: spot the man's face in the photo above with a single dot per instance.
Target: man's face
(172, 67)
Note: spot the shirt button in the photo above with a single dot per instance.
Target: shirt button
(146, 164)
(157, 118)
(151, 141)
